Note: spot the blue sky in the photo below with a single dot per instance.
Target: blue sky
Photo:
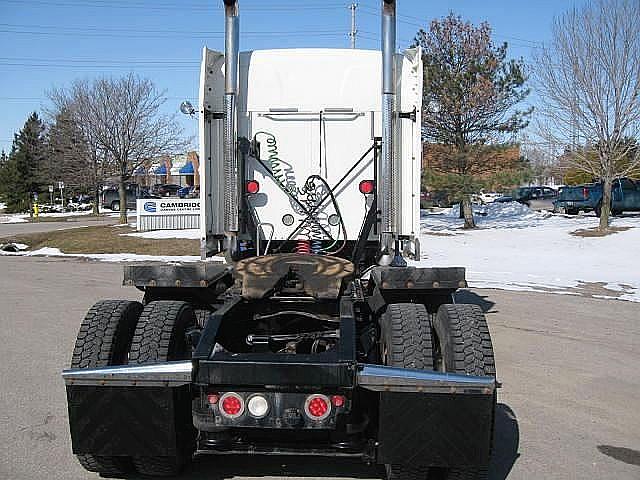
(46, 43)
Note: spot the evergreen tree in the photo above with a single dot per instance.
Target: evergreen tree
(22, 171)
(471, 91)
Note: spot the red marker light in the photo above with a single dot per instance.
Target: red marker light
(338, 401)
(231, 405)
(252, 186)
(317, 407)
(366, 187)
(213, 398)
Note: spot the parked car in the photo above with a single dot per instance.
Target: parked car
(110, 197)
(489, 197)
(190, 191)
(536, 198)
(504, 199)
(165, 189)
(625, 197)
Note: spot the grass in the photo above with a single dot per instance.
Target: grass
(105, 239)
(595, 232)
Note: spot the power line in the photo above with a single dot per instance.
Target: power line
(521, 42)
(157, 7)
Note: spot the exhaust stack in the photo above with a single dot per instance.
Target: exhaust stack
(387, 193)
(230, 155)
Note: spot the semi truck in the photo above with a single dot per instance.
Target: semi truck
(307, 328)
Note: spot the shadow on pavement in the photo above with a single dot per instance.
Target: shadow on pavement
(467, 296)
(506, 443)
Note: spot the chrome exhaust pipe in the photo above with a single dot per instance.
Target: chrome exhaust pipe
(387, 166)
(230, 155)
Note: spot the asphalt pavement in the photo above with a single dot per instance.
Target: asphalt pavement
(9, 229)
(569, 407)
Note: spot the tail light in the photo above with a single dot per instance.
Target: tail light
(366, 187)
(252, 186)
(317, 407)
(231, 405)
(585, 192)
(258, 406)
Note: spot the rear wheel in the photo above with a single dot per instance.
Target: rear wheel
(462, 344)
(104, 339)
(406, 342)
(160, 337)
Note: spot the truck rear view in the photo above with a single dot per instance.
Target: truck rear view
(302, 331)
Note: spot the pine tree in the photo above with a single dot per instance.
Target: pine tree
(471, 91)
(22, 171)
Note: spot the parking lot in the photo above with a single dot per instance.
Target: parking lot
(567, 409)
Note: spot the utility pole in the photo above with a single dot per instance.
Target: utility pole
(354, 31)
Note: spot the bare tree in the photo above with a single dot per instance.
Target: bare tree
(123, 119)
(589, 82)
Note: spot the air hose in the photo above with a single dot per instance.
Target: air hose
(311, 200)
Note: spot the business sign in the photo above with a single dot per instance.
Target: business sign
(168, 213)
(169, 206)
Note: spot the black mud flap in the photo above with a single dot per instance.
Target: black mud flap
(130, 409)
(432, 418)
(123, 420)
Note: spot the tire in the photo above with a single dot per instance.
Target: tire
(115, 206)
(406, 342)
(462, 344)
(160, 337)
(104, 339)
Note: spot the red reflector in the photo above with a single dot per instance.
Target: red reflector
(585, 192)
(366, 187)
(338, 401)
(253, 186)
(213, 398)
(317, 407)
(232, 405)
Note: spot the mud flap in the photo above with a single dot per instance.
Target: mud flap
(142, 410)
(432, 418)
(107, 420)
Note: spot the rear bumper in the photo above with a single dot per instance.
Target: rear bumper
(377, 378)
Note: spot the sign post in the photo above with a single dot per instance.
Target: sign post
(61, 187)
(51, 194)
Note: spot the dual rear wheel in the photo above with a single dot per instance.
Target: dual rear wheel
(455, 340)
(119, 332)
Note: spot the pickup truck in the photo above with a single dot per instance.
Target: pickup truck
(625, 197)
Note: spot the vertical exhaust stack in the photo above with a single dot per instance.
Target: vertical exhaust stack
(388, 166)
(230, 155)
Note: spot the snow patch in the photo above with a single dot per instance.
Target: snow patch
(116, 257)
(16, 218)
(193, 233)
(515, 248)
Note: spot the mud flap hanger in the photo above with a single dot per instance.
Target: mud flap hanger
(370, 377)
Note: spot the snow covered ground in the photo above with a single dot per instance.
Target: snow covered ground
(192, 233)
(515, 248)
